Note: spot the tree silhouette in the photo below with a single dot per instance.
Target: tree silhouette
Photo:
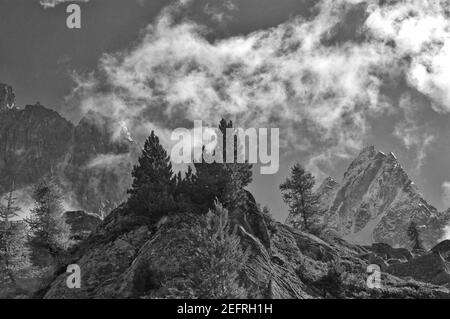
(153, 185)
(13, 250)
(48, 229)
(298, 194)
(225, 182)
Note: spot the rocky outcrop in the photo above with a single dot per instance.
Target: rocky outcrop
(388, 252)
(443, 248)
(81, 224)
(124, 258)
(376, 201)
(430, 268)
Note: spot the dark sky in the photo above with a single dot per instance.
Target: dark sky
(38, 52)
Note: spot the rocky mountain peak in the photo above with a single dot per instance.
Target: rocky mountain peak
(92, 164)
(376, 201)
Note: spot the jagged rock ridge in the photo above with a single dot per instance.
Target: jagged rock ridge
(376, 201)
(93, 167)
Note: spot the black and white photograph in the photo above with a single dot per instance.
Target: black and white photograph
(225, 155)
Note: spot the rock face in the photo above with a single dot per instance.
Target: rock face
(93, 165)
(33, 142)
(431, 268)
(376, 201)
(443, 248)
(81, 224)
(124, 258)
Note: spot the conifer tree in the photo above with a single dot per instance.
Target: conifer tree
(225, 182)
(223, 259)
(204, 258)
(13, 250)
(152, 191)
(298, 194)
(48, 229)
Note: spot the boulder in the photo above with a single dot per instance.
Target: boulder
(388, 252)
(430, 268)
(81, 224)
(443, 248)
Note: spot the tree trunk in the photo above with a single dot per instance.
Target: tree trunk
(305, 219)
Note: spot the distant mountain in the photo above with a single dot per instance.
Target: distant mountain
(376, 201)
(93, 167)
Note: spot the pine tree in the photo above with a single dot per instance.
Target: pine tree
(48, 229)
(298, 194)
(203, 259)
(223, 258)
(183, 191)
(414, 236)
(13, 250)
(152, 191)
(8, 211)
(225, 182)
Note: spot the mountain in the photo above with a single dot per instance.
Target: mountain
(376, 201)
(127, 258)
(92, 163)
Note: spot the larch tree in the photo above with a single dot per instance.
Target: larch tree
(14, 254)
(298, 195)
(47, 226)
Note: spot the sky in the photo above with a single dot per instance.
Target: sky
(333, 75)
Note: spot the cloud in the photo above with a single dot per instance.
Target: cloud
(322, 94)
(25, 202)
(281, 77)
(108, 160)
(220, 11)
(446, 193)
(420, 33)
(53, 3)
(416, 135)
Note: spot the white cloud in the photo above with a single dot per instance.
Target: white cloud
(446, 193)
(321, 96)
(53, 3)
(416, 136)
(421, 32)
(284, 76)
(108, 160)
